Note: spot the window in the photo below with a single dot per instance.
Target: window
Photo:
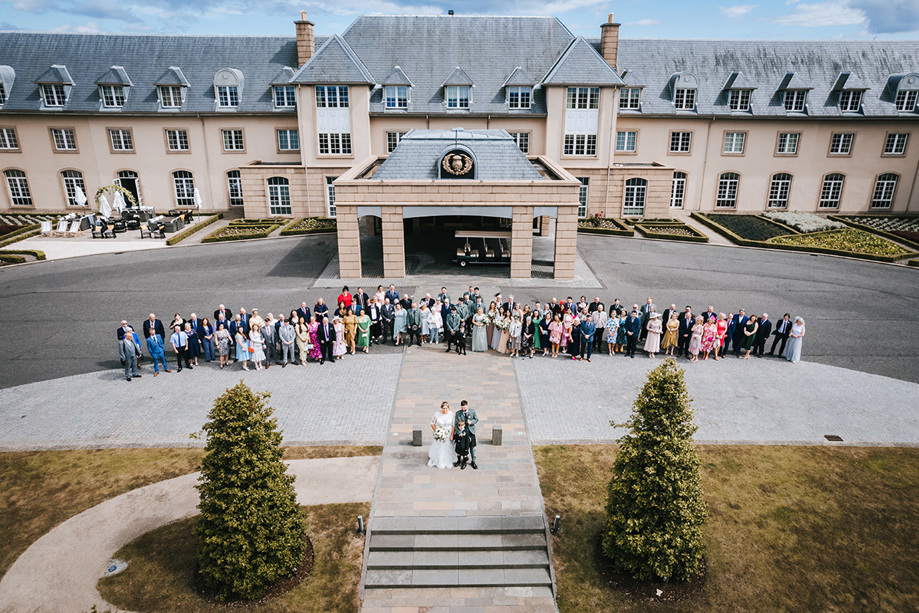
(112, 96)
(458, 97)
(332, 96)
(235, 187)
(278, 196)
(727, 190)
(896, 144)
(841, 143)
(330, 195)
(64, 139)
(630, 99)
(121, 140)
(288, 140)
(285, 96)
(73, 184)
(634, 203)
(788, 143)
(625, 141)
(185, 188)
(233, 140)
(739, 99)
(680, 142)
(883, 191)
(392, 140)
(8, 139)
(831, 191)
(684, 99)
(518, 97)
(2, 94)
(734, 142)
(795, 99)
(171, 96)
(227, 96)
(582, 196)
(778, 190)
(335, 144)
(130, 180)
(522, 139)
(906, 101)
(583, 98)
(53, 95)
(177, 140)
(678, 190)
(396, 96)
(16, 181)
(850, 101)
(580, 144)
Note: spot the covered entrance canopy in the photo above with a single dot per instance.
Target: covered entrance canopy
(434, 173)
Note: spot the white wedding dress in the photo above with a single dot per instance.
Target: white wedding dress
(441, 454)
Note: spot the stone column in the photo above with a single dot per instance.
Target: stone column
(349, 242)
(522, 242)
(566, 241)
(393, 243)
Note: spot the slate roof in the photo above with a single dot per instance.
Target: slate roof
(581, 64)
(397, 77)
(145, 58)
(334, 62)
(115, 75)
(418, 156)
(56, 74)
(519, 77)
(766, 64)
(458, 77)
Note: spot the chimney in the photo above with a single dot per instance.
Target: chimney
(609, 41)
(305, 39)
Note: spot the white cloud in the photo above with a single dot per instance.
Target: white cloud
(822, 14)
(737, 11)
(888, 16)
(90, 27)
(643, 22)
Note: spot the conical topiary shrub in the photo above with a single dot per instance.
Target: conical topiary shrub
(250, 532)
(655, 511)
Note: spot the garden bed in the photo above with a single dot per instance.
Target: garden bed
(604, 225)
(172, 240)
(309, 225)
(253, 221)
(914, 263)
(803, 222)
(11, 258)
(750, 227)
(20, 234)
(671, 231)
(239, 233)
(848, 241)
(902, 229)
(27, 219)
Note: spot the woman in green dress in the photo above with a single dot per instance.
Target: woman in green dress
(363, 331)
(537, 342)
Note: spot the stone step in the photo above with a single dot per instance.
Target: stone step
(428, 578)
(456, 542)
(458, 525)
(452, 559)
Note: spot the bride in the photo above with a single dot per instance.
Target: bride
(441, 453)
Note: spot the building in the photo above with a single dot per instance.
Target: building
(301, 126)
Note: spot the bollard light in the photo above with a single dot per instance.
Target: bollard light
(557, 524)
(360, 524)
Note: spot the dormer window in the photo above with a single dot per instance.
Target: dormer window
(850, 101)
(739, 90)
(904, 90)
(458, 97)
(171, 87)
(397, 89)
(851, 90)
(53, 94)
(906, 101)
(55, 85)
(684, 99)
(518, 97)
(795, 99)
(285, 96)
(228, 85)
(630, 99)
(396, 96)
(683, 86)
(112, 96)
(171, 96)
(113, 87)
(228, 96)
(739, 99)
(7, 75)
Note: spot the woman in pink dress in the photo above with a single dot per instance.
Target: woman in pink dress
(339, 346)
(709, 332)
(315, 349)
(555, 334)
(653, 341)
(695, 341)
(721, 329)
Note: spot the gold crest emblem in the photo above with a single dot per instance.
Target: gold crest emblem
(457, 163)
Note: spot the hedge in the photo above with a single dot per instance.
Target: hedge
(172, 240)
(621, 228)
(217, 237)
(267, 221)
(19, 235)
(11, 258)
(38, 255)
(291, 229)
(914, 263)
(647, 230)
(882, 233)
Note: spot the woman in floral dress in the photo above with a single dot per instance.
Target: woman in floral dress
(556, 330)
(257, 342)
(695, 341)
(566, 332)
(709, 335)
(620, 335)
(612, 331)
(316, 351)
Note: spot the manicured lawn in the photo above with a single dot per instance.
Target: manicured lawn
(750, 227)
(41, 489)
(161, 567)
(849, 239)
(790, 529)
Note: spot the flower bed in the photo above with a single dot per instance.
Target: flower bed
(239, 233)
(267, 221)
(25, 219)
(172, 240)
(309, 225)
(750, 227)
(804, 222)
(902, 229)
(671, 231)
(848, 241)
(604, 225)
(655, 220)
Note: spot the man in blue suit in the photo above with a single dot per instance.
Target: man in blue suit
(588, 329)
(740, 320)
(632, 330)
(157, 349)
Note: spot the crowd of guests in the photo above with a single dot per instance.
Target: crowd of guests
(360, 320)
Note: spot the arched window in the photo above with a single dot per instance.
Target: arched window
(278, 196)
(778, 190)
(727, 190)
(185, 188)
(235, 187)
(634, 203)
(883, 191)
(73, 186)
(18, 184)
(831, 192)
(678, 191)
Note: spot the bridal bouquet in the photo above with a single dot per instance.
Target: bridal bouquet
(502, 324)
(441, 434)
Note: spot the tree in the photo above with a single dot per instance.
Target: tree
(250, 532)
(655, 510)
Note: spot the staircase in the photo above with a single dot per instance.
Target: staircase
(447, 552)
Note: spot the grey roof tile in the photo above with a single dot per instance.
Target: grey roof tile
(739, 80)
(57, 73)
(519, 77)
(458, 77)
(283, 76)
(115, 75)
(849, 80)
(335, 62)
(172, 76)
(580, 64)
(397, 77)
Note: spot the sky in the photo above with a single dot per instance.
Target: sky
(771, 20)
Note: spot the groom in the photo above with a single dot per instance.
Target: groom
(469, 416)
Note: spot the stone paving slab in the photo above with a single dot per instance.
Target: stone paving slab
(755, 401)
(460, 600)
(345, 403)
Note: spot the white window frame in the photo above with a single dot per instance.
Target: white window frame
(334, 143)
(18, 184)
(170, 95)
(183, 183)
(788, 143)
(634, 197)
(279, 196)
(519, 97)
(739, 99)
(678, 190)
(831, 190)
(330, 196)
(8, 139)
(522, 140)
(227, 96)
(884, 189)
(332, 97)
(113, 96)
(779, 190)
(395, 97)
(626, 141)
(795, 100)
(73, 179)
(582, 98)
(393, 139)
(630, 99)
(728, 188)
(458, 96)
(54, 95)
(906, 100)
(841, 143)
(734, 143)
(288, 139)
(176, 139)
(121, 139)
(583, 196)
(580, 145)
(65, 139)
(895, 144)
(683, 142)
(684, 98)
(850, 100)
(285, 97)
(235, 188)
(233, 139)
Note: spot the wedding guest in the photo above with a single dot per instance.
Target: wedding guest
(286, 337)
(399, 325)
(793, 350)
(695, 340)
(179, 341)
(256, 341)
(556, 329)
(749, 336)
(672, 334)
(721, 330)
(223, 340)
(350, 322)
(612, 332)
(709, 335)
(653, 338)
(762, 335)
(157, 349)
(514, 331)
(363, 331)
(206, 335)
(303, 339)
(339, 347)
(782, 331)
(528, 336)
(242, 346)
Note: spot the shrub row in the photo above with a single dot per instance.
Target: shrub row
(914, 263)
(11, 258)
(18, 235)
(884, 233)
(38, 255)
(172, 240)
(219, 236)
(253, 221)
(618, 229)
(658, 230)
(309, 225)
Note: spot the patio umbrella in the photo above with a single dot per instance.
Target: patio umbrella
(104, 208)
(119, 202)
(198, 201)
(79, 196)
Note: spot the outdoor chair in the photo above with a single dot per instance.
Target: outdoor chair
(102, 230)
(46, 228)
(154, 230)
(61, 228)
(74, 229)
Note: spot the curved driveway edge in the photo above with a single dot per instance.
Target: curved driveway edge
(59, 572)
